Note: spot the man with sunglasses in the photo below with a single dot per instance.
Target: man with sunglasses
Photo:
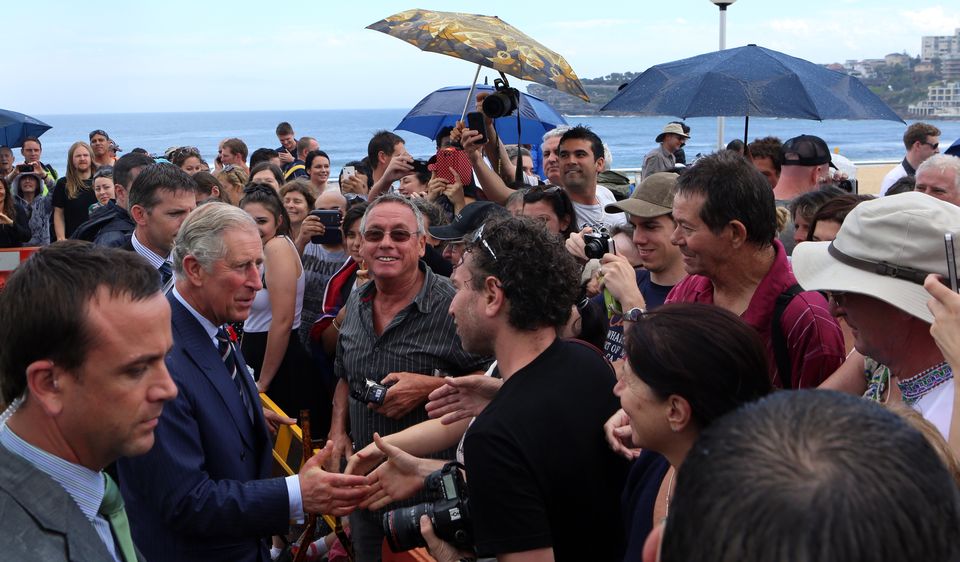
(396, 333)
(939, 176)
(922, 140)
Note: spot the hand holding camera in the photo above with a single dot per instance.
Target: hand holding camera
(406, 392)
(449, 516)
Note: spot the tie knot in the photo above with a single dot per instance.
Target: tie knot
(112, 500)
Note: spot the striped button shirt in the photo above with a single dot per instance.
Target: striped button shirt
(420, 339)
(85, 486)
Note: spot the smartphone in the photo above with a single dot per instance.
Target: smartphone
(458, 160)
(475, 122)
(349, 171)
(331, 219)
(25, 168)
(951, 261)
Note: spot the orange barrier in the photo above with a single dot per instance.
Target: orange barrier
(10, 259)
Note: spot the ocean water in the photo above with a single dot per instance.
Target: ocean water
(343, 134)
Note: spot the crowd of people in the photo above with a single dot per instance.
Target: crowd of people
(737, 358)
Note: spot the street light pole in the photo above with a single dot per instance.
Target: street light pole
(722, 4)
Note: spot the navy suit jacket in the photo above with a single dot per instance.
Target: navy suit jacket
(204, 491)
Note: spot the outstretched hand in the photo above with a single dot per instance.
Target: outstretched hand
(398, 478)
(327, 492)
(462, 397)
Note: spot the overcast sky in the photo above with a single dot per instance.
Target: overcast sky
(82, 57)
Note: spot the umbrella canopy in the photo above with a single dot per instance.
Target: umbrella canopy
(485, 40)
(954, 149)
(442, 109)
(14, 127)
(750, 81)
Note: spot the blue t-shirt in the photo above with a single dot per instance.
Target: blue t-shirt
(653, 294)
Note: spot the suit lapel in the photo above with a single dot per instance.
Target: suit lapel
(199, 349)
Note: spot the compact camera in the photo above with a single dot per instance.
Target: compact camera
(449, 514)
(596, 244)
(374, 393)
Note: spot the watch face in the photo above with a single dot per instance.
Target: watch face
(633, 314)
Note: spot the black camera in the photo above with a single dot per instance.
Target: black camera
(374, 393)
(24, 168)
(449, 515)
(596, 244)
(420, 167)
(501, 103)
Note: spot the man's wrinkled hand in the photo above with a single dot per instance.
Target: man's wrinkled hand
(329, 493)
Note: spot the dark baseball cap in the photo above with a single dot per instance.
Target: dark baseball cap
(470, 218)
(652, 198)
(805, 150)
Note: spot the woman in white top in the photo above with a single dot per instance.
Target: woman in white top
(281, 366)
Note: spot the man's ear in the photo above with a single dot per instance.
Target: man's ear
(738, 233)
(44, 386)
(193, 270)
(139, 215)
(493, 296)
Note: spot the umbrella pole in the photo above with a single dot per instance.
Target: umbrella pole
(473, 89)
(746, 124)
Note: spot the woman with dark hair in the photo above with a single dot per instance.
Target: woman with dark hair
(360, 181)
(318, 169)
(552, 206)
(827, 220)
(187, 158)
(686, 365)
(270, 344)
(804, 206)
(73, 195)
(267, 173)
(14, 219)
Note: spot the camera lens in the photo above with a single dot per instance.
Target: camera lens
(498, 105)
(402, 527)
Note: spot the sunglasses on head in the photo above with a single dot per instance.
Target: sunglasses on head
(100, 132)
(477, 238)
(376, 235)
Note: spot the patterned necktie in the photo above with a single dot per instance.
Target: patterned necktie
(228, 354)
(166, 272)
(112, 510)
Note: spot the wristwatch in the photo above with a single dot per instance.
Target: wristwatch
(634, 314)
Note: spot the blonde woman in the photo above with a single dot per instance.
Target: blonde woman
(73, 195)
(232, 178)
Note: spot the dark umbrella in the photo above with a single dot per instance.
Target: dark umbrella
(442, 108)
(14, 127)
(954, 149)
(750, 81)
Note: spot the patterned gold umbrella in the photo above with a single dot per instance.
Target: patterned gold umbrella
(485, 40)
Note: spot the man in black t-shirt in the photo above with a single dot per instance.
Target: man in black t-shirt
(542, 482)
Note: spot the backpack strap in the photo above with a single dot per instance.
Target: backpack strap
(780, 353)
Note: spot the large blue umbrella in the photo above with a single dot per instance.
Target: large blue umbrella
(750, 81)
(954, 149)
(14, 127)
(443, 108)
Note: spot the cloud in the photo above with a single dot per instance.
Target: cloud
(934, 20)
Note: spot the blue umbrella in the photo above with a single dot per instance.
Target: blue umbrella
(750, 81)
(954, 149)
(443, 108)
(14, 127)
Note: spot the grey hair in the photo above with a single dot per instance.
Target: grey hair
(556, 132)
(201, 234)
(512, 150)
(942, 163)
(393, 198)
(607, 158)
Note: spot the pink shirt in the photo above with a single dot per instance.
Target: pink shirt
(814, 340)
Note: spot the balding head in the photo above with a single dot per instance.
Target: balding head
(331, 199)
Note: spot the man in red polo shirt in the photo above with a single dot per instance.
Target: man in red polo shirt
(726, 231)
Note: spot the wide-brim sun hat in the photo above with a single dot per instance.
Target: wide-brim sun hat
(885, 249)
(672, 129)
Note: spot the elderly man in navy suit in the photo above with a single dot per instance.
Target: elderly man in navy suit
(204, 491)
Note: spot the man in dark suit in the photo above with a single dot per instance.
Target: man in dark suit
(84, 374)
(160, 199)
(204, 492)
